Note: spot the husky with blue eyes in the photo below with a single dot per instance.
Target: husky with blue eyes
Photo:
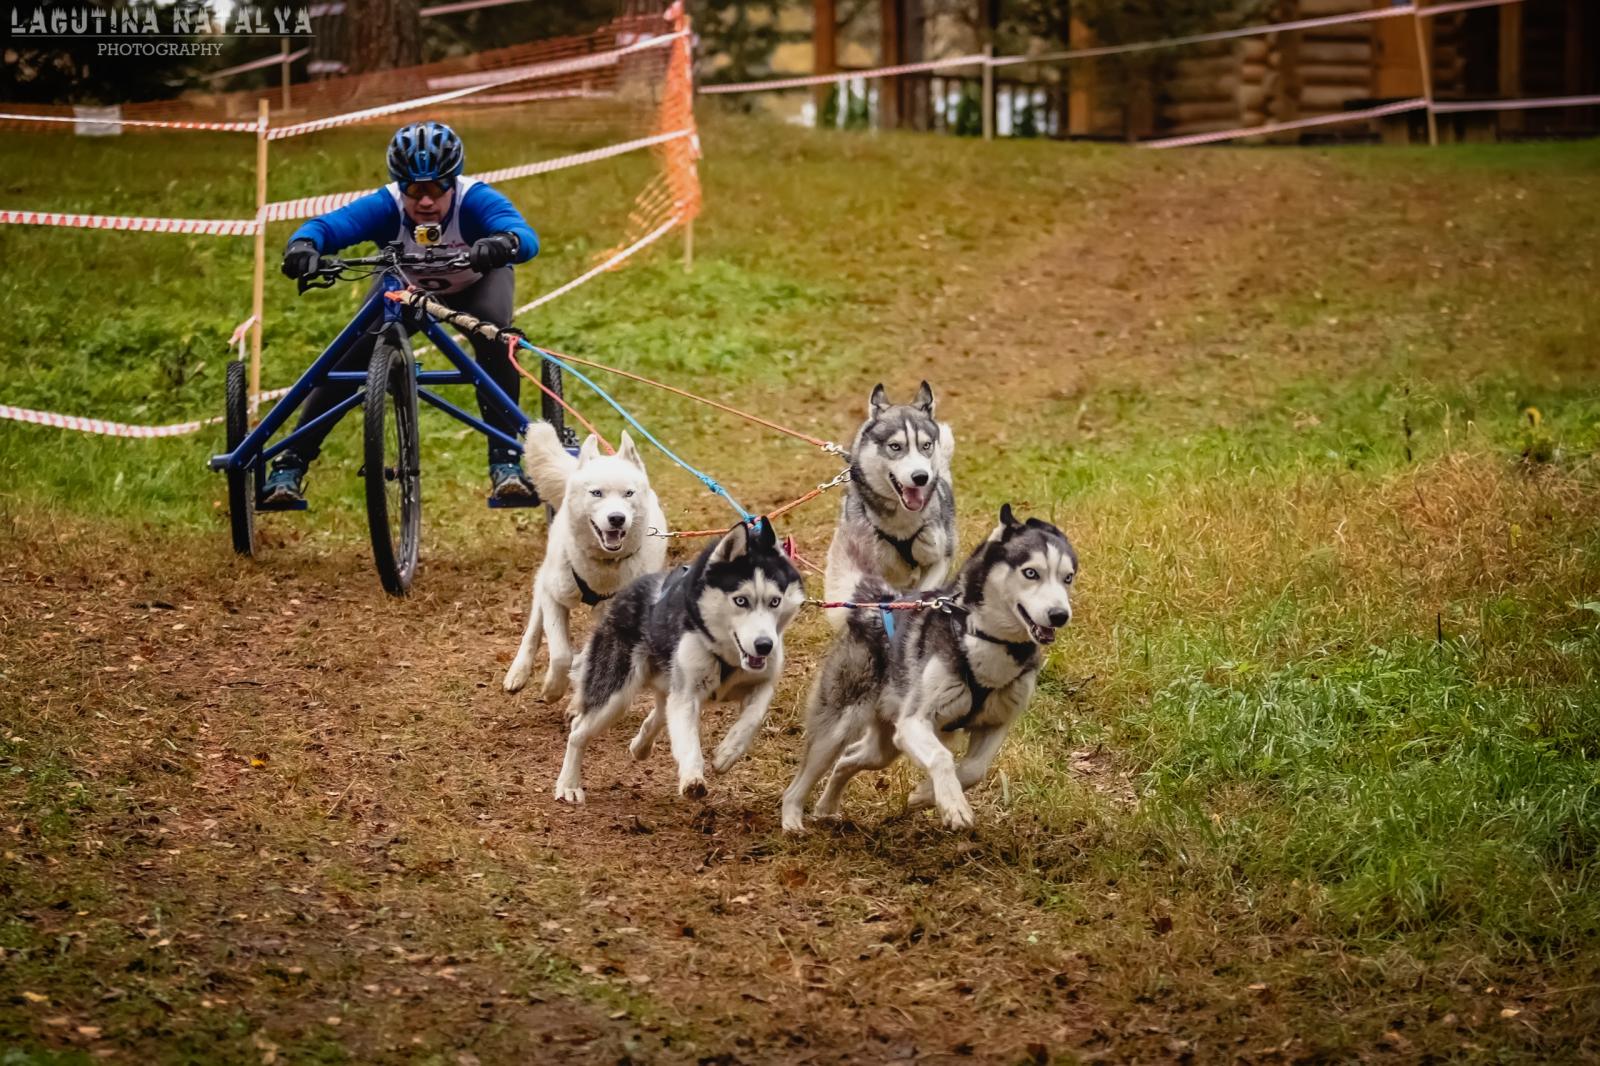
(897, 521)
(599, 541)
(970, 669)
(708, 631)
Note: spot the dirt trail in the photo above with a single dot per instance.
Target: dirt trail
(318, 814)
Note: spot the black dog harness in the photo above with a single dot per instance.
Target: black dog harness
(727, 669)
(903, 547)
(589, 596)
(1020, 652)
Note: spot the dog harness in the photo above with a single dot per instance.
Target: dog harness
(667, 584)
(1020, 652)
(903, 547)
(589, 596)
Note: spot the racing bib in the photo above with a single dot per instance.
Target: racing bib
(437, 279)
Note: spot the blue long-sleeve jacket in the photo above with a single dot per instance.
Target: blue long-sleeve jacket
(377, 217)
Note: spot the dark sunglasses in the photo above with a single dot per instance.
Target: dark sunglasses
(418, 189)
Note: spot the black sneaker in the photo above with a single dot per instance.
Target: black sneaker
(508, 483)
(286, 483)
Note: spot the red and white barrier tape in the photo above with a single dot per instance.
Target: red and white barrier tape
(239, 332)
(116, 429)
(472, 83)
(273, 60)
(311, 206)
(593, 155)
(1369, 15)
(553, 67)
(465, 5)
(491, 99)
(214, 227)
(1457, 106)
(643, 242)
(1417, 104)
(124, 429)
(104, 429)
(224, 127)
(844, 75)
(1462, 5)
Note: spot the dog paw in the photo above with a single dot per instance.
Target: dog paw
(725, 757)
(921, 796)
(793, 821)
(958, 815)
(572, 794)
(516, 677)
(555, 685)
(692, 787)
(641, 746)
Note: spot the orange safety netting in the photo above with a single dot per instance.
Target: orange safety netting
(326, 97)
(632, 78)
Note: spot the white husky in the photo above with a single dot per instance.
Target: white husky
(599, 542)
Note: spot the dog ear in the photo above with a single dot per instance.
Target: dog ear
(590, 449)
(877, 401)
(925, 399)
(627, 450)
(733, 545)
(762, 535)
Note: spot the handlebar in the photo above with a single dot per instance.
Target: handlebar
(331, 268)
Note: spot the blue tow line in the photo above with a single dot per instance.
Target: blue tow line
(705, 479)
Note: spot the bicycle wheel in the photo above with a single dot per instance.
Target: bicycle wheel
(553, 412)
(393, 466)
(241, 481)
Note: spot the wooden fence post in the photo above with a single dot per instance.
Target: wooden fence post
(258, 288)
(284, 65)
(1425, 67)
(988, 93)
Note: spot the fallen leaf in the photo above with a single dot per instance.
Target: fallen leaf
(90, 1031)
(34, 997)
(1394, 1040)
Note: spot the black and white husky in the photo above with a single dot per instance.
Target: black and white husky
(971, 669)
(711, 630)
(599, 541)
(897, 520)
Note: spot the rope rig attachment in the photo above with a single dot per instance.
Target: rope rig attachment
(942, 604)
(838, 479)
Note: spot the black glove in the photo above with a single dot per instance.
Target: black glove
(300, 259)
(491, 252)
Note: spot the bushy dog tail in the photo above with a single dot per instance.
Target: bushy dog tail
(547, 463)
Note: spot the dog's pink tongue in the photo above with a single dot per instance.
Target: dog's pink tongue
(914, 497)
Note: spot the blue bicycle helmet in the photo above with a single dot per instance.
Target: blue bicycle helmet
(426, 151)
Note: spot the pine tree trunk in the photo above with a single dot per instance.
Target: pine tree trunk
(381, 35)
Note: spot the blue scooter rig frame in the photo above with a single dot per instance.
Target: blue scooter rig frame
(377, 314)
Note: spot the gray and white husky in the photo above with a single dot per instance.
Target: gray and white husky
(710, 630)
(971, 669)
(599, 541)
(897, 519)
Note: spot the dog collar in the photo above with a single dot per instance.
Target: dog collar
(1019, 650)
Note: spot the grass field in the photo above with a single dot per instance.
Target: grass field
(1314, 775)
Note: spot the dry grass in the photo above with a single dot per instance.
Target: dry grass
(1305, 781)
